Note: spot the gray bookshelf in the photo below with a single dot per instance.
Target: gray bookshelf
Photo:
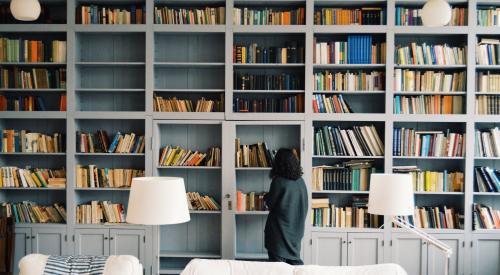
(113, 71)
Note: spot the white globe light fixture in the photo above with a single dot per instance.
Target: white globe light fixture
(436, 13)
(25, 10)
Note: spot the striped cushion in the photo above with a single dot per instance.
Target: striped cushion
(75, 265)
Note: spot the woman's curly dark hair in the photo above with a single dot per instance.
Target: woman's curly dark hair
(286, 165)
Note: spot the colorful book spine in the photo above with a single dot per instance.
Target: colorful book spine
(428, 104)
(268, 16)
(358, 49)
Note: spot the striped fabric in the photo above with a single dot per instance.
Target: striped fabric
(75, 265)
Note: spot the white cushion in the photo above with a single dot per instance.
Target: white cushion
(385, 269)
(223, 267)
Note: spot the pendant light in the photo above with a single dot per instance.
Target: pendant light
(436, 13)
(25, 10)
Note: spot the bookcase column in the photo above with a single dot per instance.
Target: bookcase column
(228, 200)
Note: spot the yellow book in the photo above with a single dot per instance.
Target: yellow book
(36, 180)
(171, 157)
(178, 155)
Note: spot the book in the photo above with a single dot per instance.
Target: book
(331, 104)
(90, 176)
(253, 81)
(11, 176)
(100, 142)
(487, 105)
(433, 181)
(350, 16)
(428, 54)
(487, 179)
(355, 215)
(288, 104)
(173, 104)
(171, 155)
(357, 141)
(98, 14)
(488, 52)
(268, 16)
(99, 212)
(438, 217)
(290, 53)
(32, 212)
(429, 81)
(32, 51)
(17, 141)
(406, 16)
(485, 217)
(250, 201)
(488, 16)
(190, 16)
(416, 143)
(428, 104)
(488, 81)
(488, 142)
(202, 202)
(23, 103)
(349, 81)
(35, 78)
(352, 175)
(356, 49)
(255, 155)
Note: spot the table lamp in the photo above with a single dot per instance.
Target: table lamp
(157, 201)
(392, 195)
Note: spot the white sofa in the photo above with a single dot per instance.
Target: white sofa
(34, 264)
(228, 267)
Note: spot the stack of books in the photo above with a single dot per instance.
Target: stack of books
(289, 104)
(358, 141)
(436, 217)
(426, 54)
(488, 105)
(202, 202)
(250, 201)
(413, 16)
(485, 217)
(98, 212)
(429, 81)
(488, 16)
(350, 16)
(31, 212)
(428, 104)
(94, 14)
(352, 175)
(252, 81)
(35, 78)
(28, 103)
(331, 104)
(488, 143)
(174, 104)
(433, 181)
(22, 50)
(16, 141)
(292, 52)
(413, 143)
(32, 177)
(100, 143)
(255, 155)
(358, 49)
(354, 216)
(349, 81)
(190, 16)
(488, 52)
(487, 179)
(90, 176)
(269, 16)
(177, 156)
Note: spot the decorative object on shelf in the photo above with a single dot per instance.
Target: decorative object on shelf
(436, 13)
(392, 195)
(25, 10)
(157, 201)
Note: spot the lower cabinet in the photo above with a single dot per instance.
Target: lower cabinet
(50, 240)
(336, 249)
(485, 254)
(418, 257)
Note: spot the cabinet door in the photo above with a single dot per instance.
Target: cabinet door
(22, 245)
(49, 240)
(436, 260)
(365, 248)
(410, 252)
(91, 241)
(485, 253)
(128, 242)
(329, 249)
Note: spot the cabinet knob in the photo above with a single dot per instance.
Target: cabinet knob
(105, 238)
(350, 242)
(28, 237)
(424, 243)
(33, 237)
(112, 238)
(343, 241)
(227, 196)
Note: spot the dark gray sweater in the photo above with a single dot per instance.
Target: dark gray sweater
(287, 201)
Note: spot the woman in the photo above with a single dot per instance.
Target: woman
(288, 203)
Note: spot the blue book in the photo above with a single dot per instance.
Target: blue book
(349, 51)
(369, 55)
(445, 181)
(41, 105)
(113, 145)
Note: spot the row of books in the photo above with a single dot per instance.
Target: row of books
(416, 143)
(90, 176)
(331, 104)
(253, 155)
(488, 105)
(190, 16)
(98, 212)
(488, 52)
(413, 16)
(436, 217)
(35, 78)
(173, 104)
(350, 16)
(426, 54)
(23, 50)
(100, 143)
(28, 103)
(352, 175)
(488, 16)
(283, 81)
(290, 104)
(96, 14)
(427, 81)
(358, 49)
(488, 82)
(428, 104)
(487, 179)
(349, 81)
(253, 54)
(202, 202)
(433, 181)
(488, 142)
(357, 141)
(269, 16)
(177, 156)
(17, 141)
(485, 217)
(251, 201)
(354, 216)
(31, 212)
(11, 176)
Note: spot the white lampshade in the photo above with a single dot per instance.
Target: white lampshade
(391, 194)
(436, 13)
(25, 10)
(157, 201)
